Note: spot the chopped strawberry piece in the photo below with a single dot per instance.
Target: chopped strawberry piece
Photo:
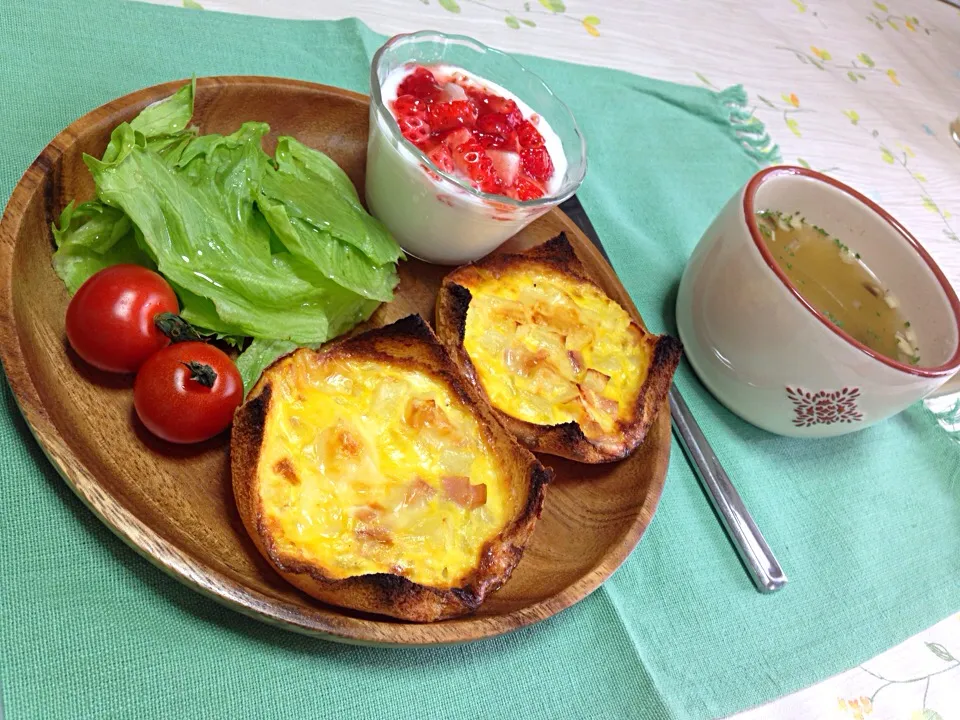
(487, 141)
(414, 128)
(528, 135)
(501, 105)
(514, 116)
(470, 159)
(537, 163)
(442, 158)
(456, 138)
(479, 97)
(452, 115)
(490, 103)
(506, 163)
(494, 124)
(468, 130)
(407, 105)
(525, 189)
(420, 83)
(509, 142)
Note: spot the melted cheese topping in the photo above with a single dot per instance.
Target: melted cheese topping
(371, 468)
(549, 349)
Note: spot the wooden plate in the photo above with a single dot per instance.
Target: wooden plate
(174, 504)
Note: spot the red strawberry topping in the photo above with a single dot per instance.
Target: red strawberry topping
(414, 128)
(495, 141)
(494, 124)
(420, 83)
(452, 115)
(442, 158)
(537, 163)
(469, 131)
(525, 189)
(528, 135)
(490, 103)
(407, 105)
(470, 159)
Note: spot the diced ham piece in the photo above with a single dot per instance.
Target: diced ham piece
(523, 361)
(595, 403)
(418, 491)
(342, 448)
(425, 414)
(286, 469)
(369, 527)
(459, 489)
(365, 514)
(376, 533)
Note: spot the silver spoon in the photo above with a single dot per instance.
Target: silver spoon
(753, 550)
(743, 532)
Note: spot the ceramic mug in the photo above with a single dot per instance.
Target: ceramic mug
(770, 356)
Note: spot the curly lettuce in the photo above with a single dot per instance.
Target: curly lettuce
(276, 249)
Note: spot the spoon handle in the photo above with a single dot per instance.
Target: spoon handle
(742, 530)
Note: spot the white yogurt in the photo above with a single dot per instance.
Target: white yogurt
(432, 218)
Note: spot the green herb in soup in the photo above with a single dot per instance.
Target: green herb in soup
(837, 282)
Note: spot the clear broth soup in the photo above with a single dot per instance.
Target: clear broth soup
(836, 280)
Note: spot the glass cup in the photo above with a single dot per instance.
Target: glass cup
(434, 215)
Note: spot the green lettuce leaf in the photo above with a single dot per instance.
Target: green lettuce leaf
(168, 116)
(198, 219)
(260, 355)
(163, 122)
(280, 250)
(315, 190)
(92, 236)
(202, 314)
(332, 259)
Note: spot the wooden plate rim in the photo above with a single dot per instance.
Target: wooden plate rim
(325, 622)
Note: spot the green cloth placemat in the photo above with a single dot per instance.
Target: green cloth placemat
(867, 526)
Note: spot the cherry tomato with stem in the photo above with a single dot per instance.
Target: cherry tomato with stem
(188, 392)
(111, 318)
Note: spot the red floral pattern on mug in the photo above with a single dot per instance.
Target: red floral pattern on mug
(824, 407)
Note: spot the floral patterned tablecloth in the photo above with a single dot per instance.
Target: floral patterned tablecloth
(861, 89)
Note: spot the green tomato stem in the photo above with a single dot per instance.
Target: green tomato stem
(176, 328)
(201, 373)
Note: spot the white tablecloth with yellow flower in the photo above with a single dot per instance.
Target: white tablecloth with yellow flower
(860, 89)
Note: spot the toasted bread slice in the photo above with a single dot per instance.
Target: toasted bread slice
(567, 369)
(372, 476)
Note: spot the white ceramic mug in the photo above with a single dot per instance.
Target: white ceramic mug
(770, 356)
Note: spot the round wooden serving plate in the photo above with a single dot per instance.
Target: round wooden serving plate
(174, 505)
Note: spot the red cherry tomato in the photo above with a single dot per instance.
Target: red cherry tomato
(187, 392)
(110, 319)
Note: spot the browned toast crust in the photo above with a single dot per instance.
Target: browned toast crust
(410, 343)
(568, 439)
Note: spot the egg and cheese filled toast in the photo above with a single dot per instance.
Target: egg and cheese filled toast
(567, 369)
(372, 476)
